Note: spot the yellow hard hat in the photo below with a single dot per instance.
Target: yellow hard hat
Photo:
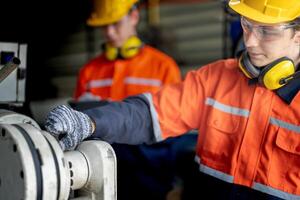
(109, 11)
(267, 11)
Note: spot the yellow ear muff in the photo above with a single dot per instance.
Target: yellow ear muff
(273, 74)
(131, 47)
(111, 53)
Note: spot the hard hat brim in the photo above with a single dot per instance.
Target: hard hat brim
(255, 15)
(100, 22)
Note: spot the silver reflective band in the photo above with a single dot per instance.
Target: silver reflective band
(143, 81)
(99, 83)
(256, 186)
(216, 173)
(278, 193)
(285, 125)
(228, 109)
(212, 172)
(154, 116)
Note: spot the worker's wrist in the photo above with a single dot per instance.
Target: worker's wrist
(93, 124)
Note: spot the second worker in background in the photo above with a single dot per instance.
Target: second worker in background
(127, 66)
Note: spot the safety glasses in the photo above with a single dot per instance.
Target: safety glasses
(265, 32)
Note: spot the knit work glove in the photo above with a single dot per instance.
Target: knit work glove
(74, 125)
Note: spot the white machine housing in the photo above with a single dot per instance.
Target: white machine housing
(33, 166)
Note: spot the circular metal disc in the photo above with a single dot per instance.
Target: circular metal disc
(17, 181)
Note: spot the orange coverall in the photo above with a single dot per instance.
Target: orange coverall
(247, 134)
(115, 80)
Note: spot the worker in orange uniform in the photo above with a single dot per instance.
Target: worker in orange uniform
(127, 66)
(247, 111)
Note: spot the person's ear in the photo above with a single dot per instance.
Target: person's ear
(135, 17)
(297, 37)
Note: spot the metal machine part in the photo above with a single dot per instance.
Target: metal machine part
(10, 117)
(12, 88)
(33, 166)
(9, 67)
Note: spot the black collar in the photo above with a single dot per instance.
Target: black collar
(289, 91)
(286, 92)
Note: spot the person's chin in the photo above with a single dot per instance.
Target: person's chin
(258, 62)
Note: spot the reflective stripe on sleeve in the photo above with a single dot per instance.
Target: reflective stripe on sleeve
(225, 108)
(154, 116)
(285, 125)
(99, 83)
(143, 81)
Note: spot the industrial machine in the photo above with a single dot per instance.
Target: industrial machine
(32, 164)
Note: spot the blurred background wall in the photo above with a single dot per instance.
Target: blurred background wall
(193, 32)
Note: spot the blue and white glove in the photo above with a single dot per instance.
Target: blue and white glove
(74, 125)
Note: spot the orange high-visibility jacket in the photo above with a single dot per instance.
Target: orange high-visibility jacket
(247, 134)
(115, 80)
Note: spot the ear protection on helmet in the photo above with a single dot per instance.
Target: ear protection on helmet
(129, 49)
(272, 76)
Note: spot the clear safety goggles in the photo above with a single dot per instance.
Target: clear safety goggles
(265, 32)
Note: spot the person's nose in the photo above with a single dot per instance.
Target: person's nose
(251, 39)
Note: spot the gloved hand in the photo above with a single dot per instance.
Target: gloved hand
(75, 125)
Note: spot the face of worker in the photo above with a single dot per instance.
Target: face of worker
(266, 43)
(116, 34)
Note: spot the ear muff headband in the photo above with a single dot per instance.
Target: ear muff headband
(246, 66)
(270, 76)
(129, 49)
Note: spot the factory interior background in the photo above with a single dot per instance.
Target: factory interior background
(59, 42)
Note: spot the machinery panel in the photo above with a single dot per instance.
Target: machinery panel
(12, 89)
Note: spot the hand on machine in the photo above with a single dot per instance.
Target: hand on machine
(34, 166)
(74, 126)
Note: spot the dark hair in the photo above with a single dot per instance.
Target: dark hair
(296, 23)
(134, 7)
